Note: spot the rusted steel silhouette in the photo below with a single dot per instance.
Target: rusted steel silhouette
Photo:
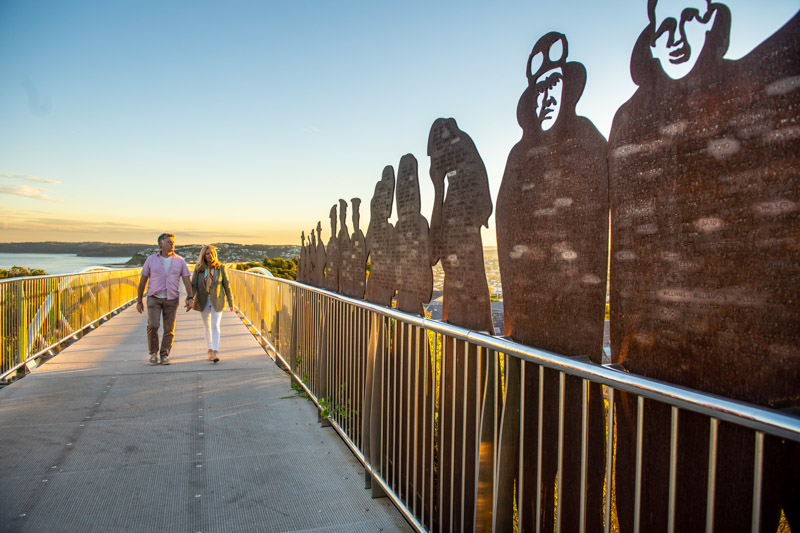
(705, 198)
(345, 266)
(332, 258)
(456, 223)
(317, 254)
(382, 281)
(456, 240)
(415, 277)
(552, 238)
(358, 257)
(320, 259)
(302, 264)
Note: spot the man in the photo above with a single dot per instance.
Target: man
(166, 269)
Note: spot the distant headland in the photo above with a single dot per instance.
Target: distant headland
(81, 249)
(228, 252)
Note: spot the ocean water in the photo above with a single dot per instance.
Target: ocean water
(59, 263)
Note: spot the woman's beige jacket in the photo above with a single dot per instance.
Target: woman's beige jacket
(220, 289)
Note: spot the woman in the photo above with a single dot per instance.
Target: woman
(208, 282)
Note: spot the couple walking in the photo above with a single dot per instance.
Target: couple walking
(206, 292)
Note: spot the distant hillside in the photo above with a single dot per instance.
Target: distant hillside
(227, 252)
(83, 249)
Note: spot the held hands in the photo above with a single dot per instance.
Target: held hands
(189, 302)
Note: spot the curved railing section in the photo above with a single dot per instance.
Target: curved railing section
(39, 313)
(397, 389)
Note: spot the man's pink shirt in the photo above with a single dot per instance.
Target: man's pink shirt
(160, 280)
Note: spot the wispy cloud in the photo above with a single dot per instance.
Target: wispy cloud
(38, 102)
(28, 192)
(27, 177)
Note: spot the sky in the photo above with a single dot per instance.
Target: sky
(245, 122)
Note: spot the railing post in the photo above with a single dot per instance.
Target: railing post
(23, 325)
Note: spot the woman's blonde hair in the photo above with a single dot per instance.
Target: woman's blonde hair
(201, 261)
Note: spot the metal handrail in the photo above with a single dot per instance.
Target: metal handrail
(327, 350)
(742, 413)
(39, 313)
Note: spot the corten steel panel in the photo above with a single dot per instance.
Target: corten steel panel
(413, 249)
(332, 258)
(552, 238)
(358, 256)
(352, 253)
(380, 242)
(303, 263)
(705, 211)
(552, 214)
(456, 222)
(318, 257)
(345, 265)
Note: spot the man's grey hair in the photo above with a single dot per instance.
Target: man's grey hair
(165, 236)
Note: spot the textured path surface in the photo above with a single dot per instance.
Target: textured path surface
(97, 440)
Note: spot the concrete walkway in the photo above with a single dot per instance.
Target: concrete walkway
(97, 440)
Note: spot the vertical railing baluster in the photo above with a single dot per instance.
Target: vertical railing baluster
(434, 398)
(466, 407)
(405, 364)
(584, 452)
(395, 388)
(560, 470)
(713, 435)
(520, 461)
(637, 502)
(540, 446)
(442, 418)
(673, 469)
(609, 458)
(758, 471)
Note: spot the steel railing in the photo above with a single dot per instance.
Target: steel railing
(39, 313)
(466, 431)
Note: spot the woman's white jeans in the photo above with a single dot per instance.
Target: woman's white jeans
(211, 320)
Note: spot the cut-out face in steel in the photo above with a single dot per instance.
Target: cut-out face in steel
(545, 75)
(679, 33)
